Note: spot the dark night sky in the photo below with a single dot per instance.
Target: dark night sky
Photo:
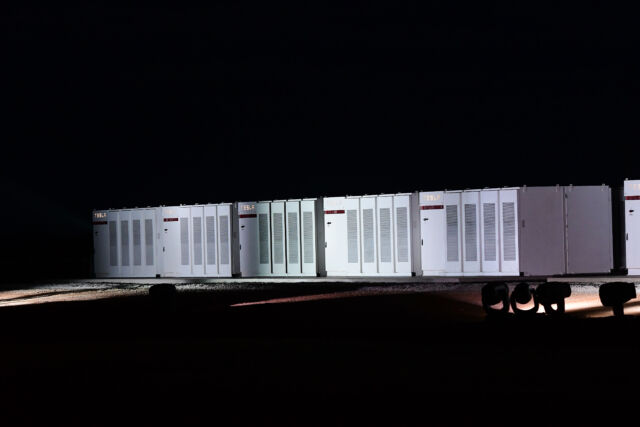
(106, 106)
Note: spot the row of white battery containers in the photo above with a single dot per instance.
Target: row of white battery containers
(176, 241)
(368, 235)
(278, 238)
(124, 242)
(471, 232)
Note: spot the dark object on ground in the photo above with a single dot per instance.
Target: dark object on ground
(553, 293)
(163, 297)
(615, 294)
(522, 294)
(494, 293)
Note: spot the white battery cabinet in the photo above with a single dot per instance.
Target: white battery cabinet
(278, 238)
(125, 243)
(197, 241)
(631, 193)
(467, 233)
(368, 235)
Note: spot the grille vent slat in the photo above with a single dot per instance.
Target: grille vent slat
(197, 240)
(470, 232)
(210, 223)
(278, 239)
(403, 235)
(292, 234)
(385, 235)
(184, 241)
(137, 247)
(224, 239)
(307, 229)
(113, 244)
(124, 240)
(352, 236)
(368, 253)
(452, 233)
(489, 214)
(148, 241)
(263, 236)
(509, 227)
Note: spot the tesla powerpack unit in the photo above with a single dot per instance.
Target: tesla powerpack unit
(124, 243)
(197, 241)
(470, 233)
(512, 231)
(631, 227)
(279, 238)
(368, 235)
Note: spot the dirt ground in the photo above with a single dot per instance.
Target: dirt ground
(333, 354)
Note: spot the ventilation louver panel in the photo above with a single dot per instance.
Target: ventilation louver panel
(278, 239)
(113, 244)
(352, 236)
(470, 236)
(368, 254)
(292, 232)
(224, 239)
(184, 241)
(137, 247)
(385, 235)
(489, 214)
(124, 239)
(263, 235)
(452, 233)
(307, 229)
(148, 240)
(197, 240)
(509, 227)
(402, 237)
(210, 223)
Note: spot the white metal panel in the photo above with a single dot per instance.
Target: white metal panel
(402, 234)
(335, 229)
(470, 232)
(124, 239)
(101, 244)
(196, 234)
(385, 235)
(293, 238)
(453, 232)
(369, 236)
(176, 241)
(114, 245)
(632, 226)
(210, 242)
(278, 244)
(509, 246)
(254, 252)
(433, 233)
(224, 235)
(489, 232)
(308, 215)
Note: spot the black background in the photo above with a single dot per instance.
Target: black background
(112, 106)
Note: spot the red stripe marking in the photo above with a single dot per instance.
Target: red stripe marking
(334, 212)
(632, 198)
(170, 219)
(247, 216)
(99, 222)
(426, 208)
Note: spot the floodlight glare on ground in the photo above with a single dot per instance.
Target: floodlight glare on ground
(551, 293)
(495, 293)
(615, 294)
(523, 294)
